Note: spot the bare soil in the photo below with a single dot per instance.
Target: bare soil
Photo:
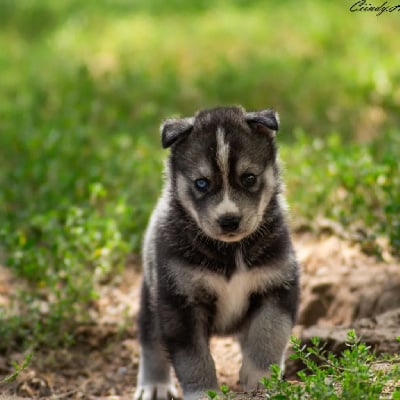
(102, 364)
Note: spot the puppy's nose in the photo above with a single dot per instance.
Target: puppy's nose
(229, 222)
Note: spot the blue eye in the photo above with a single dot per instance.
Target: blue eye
(202, 184)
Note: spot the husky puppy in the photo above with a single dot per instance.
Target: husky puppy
(217, 254)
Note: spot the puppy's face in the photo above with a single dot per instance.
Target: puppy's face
(223, 167)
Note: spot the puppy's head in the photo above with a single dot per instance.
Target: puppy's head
(223, 168)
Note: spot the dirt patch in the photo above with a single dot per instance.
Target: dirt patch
(103, 362)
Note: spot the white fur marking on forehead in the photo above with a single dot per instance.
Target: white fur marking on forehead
(222, 153)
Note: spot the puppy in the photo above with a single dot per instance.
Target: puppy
(217, 255)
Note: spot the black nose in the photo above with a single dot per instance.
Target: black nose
(229, 223)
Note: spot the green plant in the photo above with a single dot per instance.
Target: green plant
(357, 185)
(352, 375)
(226, 394)
(18, 368)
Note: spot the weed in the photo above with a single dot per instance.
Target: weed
(352, 375)
(356, 185)
(18, 368)
(226, 394)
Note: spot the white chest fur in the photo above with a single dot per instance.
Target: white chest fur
(233, 295)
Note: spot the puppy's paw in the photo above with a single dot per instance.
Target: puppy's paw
(156, 391)
(250, 376)
(195, 395)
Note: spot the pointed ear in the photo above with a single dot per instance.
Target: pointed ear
(264, 120)
(174, 128)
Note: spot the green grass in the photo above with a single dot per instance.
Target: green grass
(357, 373)
(84, 87)
(355, 185)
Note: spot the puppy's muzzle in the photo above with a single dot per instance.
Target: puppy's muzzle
(229, 223)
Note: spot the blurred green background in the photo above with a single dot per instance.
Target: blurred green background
(85, 85)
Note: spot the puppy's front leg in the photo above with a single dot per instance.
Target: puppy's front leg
(186, 338)
(154, 379)
(263, 341)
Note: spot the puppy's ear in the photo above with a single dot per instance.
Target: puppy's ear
(174, 128)
(264, 120)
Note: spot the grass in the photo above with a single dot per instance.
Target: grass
(83, 90)
(354, 185)
(357, 373)
(18, 368)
